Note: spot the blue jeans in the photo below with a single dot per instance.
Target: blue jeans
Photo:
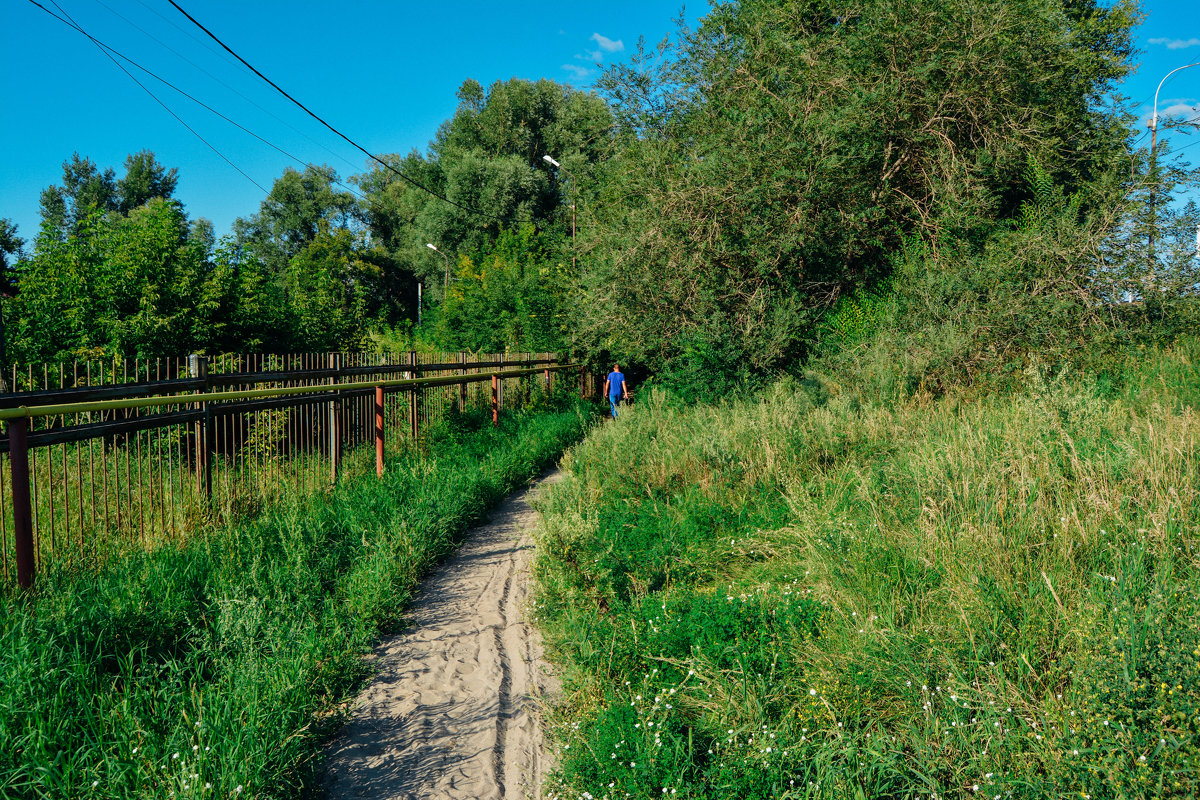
(614, 400)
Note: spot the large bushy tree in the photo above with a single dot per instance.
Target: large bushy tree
(778, 157)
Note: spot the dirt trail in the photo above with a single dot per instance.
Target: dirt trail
(454, 708)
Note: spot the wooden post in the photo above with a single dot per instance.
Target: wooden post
(495, 399)
(413, 411)
(379, 431)
(335, 423)
(18, 460)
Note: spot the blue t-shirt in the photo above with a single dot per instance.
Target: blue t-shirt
(616, 384)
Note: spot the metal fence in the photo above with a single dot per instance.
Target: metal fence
(105, 455)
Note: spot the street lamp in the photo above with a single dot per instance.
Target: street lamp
(446, 281)
(1153, 125)
(557, 165)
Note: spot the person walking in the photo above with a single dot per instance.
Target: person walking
(616, 387)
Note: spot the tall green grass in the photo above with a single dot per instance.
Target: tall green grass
(808, 595)
(215, 667)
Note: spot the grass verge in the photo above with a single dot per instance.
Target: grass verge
(805, 595)
(215, 668)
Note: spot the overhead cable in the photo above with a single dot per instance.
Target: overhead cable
(110, 52)
(315, 116)
(208, 46)
(145, 89)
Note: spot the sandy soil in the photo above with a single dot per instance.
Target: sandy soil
(454, 708)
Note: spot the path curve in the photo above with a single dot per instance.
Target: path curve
(454, 708)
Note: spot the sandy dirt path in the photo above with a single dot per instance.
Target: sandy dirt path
(454, 708)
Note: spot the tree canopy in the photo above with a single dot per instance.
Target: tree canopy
(954, 178)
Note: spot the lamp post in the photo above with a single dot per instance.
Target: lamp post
(574, 196)
(1153, 125)
(446, 280)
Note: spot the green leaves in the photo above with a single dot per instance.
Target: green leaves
(789, 148)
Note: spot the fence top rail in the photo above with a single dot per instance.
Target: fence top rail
(333, 390)
(88, 393)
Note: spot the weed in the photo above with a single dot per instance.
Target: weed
(215, 667)
(808, 594)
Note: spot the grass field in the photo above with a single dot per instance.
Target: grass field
(216, 667)
(805, 594)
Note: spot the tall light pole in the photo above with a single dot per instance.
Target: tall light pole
(574, 196)
(446, 280)
(1154, 165)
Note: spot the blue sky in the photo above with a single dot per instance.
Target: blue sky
(384, 72)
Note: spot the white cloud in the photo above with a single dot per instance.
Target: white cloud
(609, 46)
(577, 71)
(1177, 44)
(1181, 109)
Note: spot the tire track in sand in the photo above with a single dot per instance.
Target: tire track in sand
(453, 710)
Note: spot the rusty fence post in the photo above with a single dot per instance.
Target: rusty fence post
(379, 431)
(495, 399)
(18, 460)
(335, 422)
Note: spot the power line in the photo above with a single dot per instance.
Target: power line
(210, 48)
(146, 90)
(109, 51)
(315, 116)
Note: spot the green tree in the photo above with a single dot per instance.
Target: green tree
(11, 248)
(85, 190)
(512, 295)
(292, 214)
(117, 284)
(487, 157)
(330, 286)
(144, 180)
(794, 145)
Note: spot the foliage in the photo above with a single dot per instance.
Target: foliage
(487, 159)
(813, 594)
(215, 668)
(783, 151)
(516, 296)
(123, 271)
(123, 284)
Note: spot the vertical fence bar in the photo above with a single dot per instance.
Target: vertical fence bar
(198, 369)
(462, 388)
(18, 457)
(379, 431)
(495, 399)
(412, 394)
(335, 423)
(208, 445)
